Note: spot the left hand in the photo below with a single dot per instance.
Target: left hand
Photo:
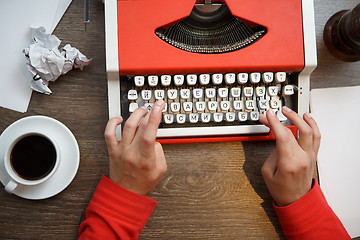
(137, 162)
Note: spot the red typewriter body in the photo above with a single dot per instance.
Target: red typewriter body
(141, 51)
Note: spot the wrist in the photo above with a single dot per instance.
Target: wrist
(285, 203)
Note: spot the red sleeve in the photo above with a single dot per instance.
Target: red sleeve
(115, 213)
(310, 218)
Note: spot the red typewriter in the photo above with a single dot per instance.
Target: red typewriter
(217, 65)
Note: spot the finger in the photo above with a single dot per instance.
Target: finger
(282, 134)
(148, 134)
(143, 123)
(274, 123)
(263, 120)
(316, 131)
(132, 123)
(305, 139)
(154, 119)
(110, 132)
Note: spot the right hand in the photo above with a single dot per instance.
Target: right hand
(288, 171)
(137, 162)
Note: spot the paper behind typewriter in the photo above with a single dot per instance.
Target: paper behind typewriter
(339, 160)
(15, 92)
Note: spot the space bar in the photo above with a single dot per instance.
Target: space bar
(212, 131)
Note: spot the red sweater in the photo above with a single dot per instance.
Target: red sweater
(116, 213)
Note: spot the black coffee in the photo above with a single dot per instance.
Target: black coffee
(33, 157)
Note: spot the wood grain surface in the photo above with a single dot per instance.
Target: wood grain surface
(210, 191)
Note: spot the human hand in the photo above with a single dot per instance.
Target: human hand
(288, 171)
(137, 162)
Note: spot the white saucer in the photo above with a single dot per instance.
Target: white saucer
(69, 152)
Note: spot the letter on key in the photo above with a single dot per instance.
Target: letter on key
(172, 94)
(146, 95)
(198, 93)
(159, 94)
(268, 77)
(168, 118)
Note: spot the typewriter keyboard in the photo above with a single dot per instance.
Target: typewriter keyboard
(211, 99)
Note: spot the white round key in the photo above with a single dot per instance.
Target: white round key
(179, 80)
(191, 79)
(204, 79)
(268, 77)
(230, 78)
(280, 77)
(153, 80)
(165, 80)
(217, 78)
(139, 81)
(255, 77)
(243, 78)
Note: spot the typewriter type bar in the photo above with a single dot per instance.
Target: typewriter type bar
(210, 96)
(211, 29)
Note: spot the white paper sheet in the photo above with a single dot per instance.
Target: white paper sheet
(16, 16)
(63, 5)
(336, 111)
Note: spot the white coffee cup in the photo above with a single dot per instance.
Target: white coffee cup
(30, 159)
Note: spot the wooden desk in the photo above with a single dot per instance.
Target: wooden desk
(210, 191)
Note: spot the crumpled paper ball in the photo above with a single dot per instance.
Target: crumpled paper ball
(46, 62)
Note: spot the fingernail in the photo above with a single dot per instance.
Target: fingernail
(156, 110)
(159, 102)
(145, 108)
(262, 117)
(286, 109)
(120, 117)
(308, 115)
(270, 112)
